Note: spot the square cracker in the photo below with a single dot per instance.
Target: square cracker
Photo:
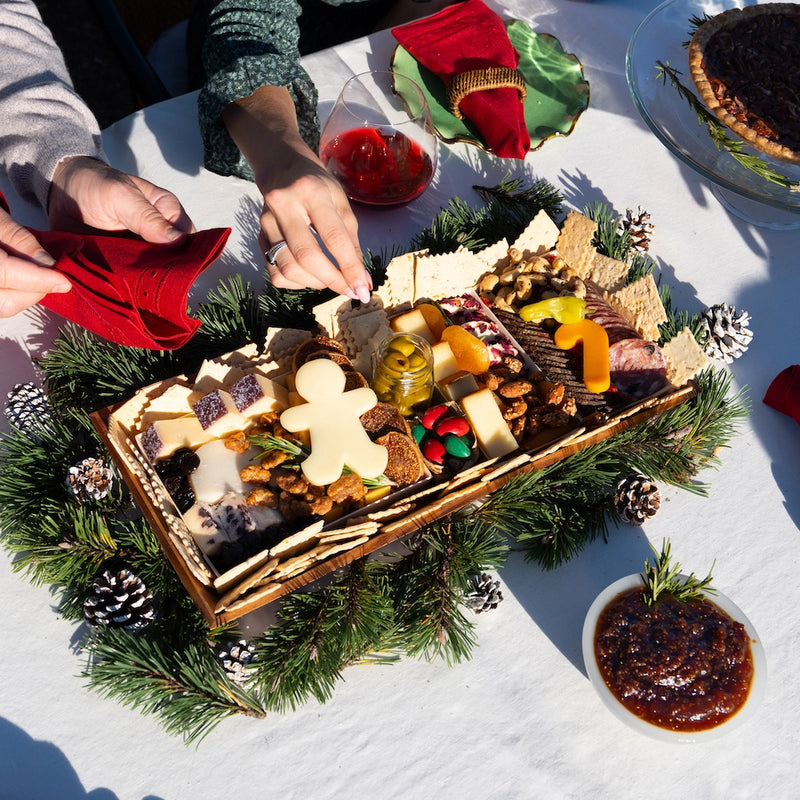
(684, 357)
(447, 274)
(574, 243)
(641, 305)
(399, 284)
(608, 273)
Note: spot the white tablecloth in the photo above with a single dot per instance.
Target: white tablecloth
(520, 720)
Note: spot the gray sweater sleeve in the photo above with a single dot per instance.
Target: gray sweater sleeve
(42, 119)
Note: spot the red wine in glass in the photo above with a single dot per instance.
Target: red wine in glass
(378, 166)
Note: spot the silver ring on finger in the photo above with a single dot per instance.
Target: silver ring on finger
(271, 254)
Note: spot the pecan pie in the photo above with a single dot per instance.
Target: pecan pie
(745, 63)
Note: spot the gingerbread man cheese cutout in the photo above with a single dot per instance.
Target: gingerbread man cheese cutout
(331, 417)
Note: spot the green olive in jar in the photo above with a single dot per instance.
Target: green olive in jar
(403, 372)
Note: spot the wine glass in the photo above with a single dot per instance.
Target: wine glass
(379, 140)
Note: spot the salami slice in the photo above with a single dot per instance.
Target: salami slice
(638, 368)
(599, 311)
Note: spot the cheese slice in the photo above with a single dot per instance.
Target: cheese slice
(491, 430)
(460, 383)
(163, 437)
(255, 394)
(413, 322)
(217, 414)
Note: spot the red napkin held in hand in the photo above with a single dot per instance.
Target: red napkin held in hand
(470, 36)
(128, 290)
(783, 393)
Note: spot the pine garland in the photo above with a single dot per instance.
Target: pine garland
(372, 611)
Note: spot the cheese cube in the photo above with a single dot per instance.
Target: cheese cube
(460, 383)
(413, 322)
(444, 362)
(491, 430)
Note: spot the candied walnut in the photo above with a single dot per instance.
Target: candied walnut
(556, 419)
(517, 427)
(292, 482)
(268, 419)
(237, 442)
(347, 488)
(551, 393)
(274, 458)
(533, 424)
(512, 364)
(514, 389)
(262, 496)
(293, 507)
(255, 473)
(492, 380)
(516, 409)
(569, 406)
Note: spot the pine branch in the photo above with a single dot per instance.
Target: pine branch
(185, 688)
(718, 134)
(428, 587)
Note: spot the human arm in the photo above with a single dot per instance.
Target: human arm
(258, 118)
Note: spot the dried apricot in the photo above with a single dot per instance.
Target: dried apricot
(471, 354)
(433, 318)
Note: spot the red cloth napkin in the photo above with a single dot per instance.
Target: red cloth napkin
(465, 37)
(128, 290)
(783, 393)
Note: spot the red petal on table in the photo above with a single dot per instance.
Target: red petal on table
(783, 393)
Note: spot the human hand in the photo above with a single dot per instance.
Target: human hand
(86, 192)
(299, 195)
(24, 277)
(302, 199)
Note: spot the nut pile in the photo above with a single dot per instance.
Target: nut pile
(531, 404)
(528, 281)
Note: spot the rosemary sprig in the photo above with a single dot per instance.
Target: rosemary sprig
(716, 131)
(663, 577)
(268, 443)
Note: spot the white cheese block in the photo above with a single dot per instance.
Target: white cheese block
(491, 430)
(217, 413)
(444, 362)
(219, 470)
(460, 383)
(255, 394)
(413, 322)
(163, 437)
(174, 402)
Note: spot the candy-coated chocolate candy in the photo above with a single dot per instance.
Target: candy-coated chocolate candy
(458, 426)
(456, 446)
(432, 414)
(434, 451)
(418, 432)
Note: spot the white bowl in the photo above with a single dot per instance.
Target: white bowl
(641, 725)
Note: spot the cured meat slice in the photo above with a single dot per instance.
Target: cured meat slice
(599, 311)
(638, 368)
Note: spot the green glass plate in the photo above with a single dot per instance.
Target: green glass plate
(557, 91)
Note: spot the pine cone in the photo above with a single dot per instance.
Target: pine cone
(27, 409)
(636, 499)
(234, 658)
(638, 225)
(90, 479)
(119, 600)
(484, 593)
(728, 332)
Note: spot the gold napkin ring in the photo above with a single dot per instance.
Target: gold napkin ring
(478, 79)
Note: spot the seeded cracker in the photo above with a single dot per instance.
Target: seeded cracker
(539, 237)
(574, 243)
(607, 273)
(398, 288)
(640, 304)
(684, 357)
(495, 256)
(281, 345)
(447, 274)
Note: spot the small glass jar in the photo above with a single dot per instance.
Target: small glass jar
(403, 373)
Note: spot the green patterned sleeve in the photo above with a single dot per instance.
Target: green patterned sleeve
(248, 44)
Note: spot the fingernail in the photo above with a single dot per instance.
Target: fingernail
(362, 292)
(350, 293)
(61, 288)
(43, 259)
